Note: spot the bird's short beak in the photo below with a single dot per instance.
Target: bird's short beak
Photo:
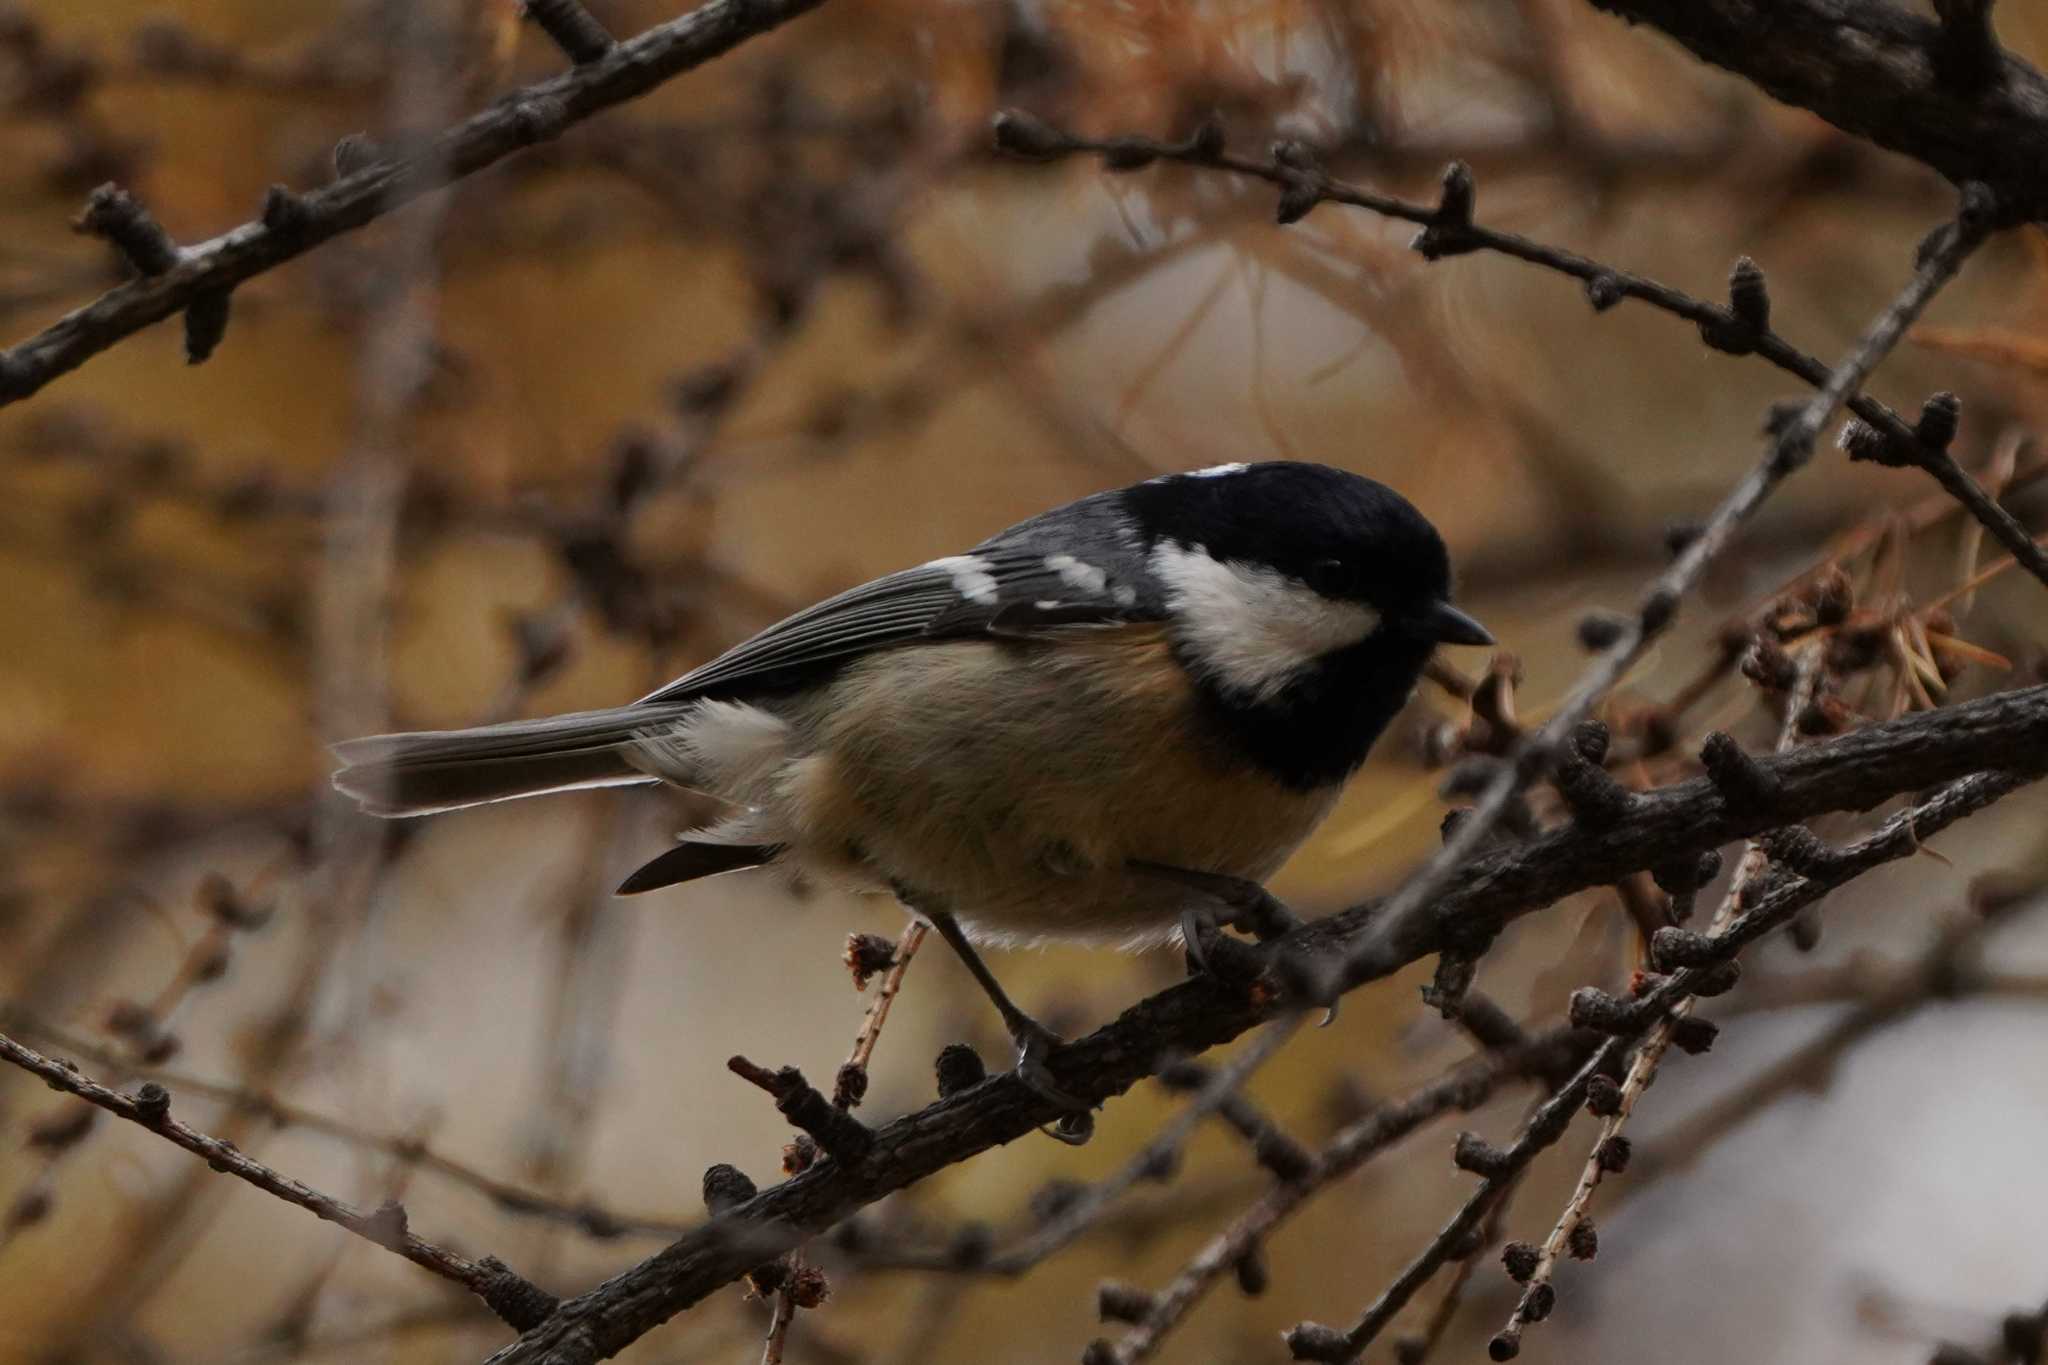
(1447, 625)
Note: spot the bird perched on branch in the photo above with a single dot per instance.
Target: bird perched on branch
(1066, 732)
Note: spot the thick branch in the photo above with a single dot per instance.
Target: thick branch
(295, 224)
(1853, 772)
(1881, 72)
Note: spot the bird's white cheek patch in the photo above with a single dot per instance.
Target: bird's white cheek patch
(1252, 628)
(971, 578)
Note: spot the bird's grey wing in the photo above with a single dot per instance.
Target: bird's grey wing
(1011, 586)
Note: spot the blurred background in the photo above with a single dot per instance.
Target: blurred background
(546, 440)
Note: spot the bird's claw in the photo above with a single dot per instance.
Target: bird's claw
(1193, 926)
(1035, 1043)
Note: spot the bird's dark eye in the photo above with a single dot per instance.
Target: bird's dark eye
(1330, 577)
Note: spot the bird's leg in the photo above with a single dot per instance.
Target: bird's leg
(1251, 907)
(1034, 1040)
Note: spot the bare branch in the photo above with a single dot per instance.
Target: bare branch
(591, 1218)
(292, 224)
(1942, 93)
(1741, 328)
(1851, 772)
(511, 1296)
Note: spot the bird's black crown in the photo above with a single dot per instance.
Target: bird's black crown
(1345, 535)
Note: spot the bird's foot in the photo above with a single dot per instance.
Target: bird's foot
(1248, 905)
(1035, 1045)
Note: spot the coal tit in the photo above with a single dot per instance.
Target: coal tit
(1175, 675)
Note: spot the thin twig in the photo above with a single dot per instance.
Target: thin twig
(1898, 837)
(1791, 445)
(1539, 1293)
(294, 224)
(852, 1083)
(1740, 328)
(513, 1298)
(1464, 1087)
(1156, 1155)
(593, 1219)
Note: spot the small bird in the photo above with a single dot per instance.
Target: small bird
(1050, 737)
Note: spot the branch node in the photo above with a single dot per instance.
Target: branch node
(518, 1301)
(1603, 1097)
(1659, 606)
(866, 956)
(152, 1103)
(1737, 329)
(1745, 785)
(1208, 140)
(539, 119)
(1296, 200)
(1450, 231)
(1801, 850)
(1520, 1260)
(845, 1138)
(388, 1225)
(575, 30)
(1716, 979)
(355, 151)
(1129, 154)
(959, 1068)
(1748, 297)
(1672, 948)
(1939, 417)
(1028, 137)
(726, 1188)
(118, 218)
(1612, 1154)
(1455, 972)
(1864, 443)
(284, 212)
(1313, 1341)
(1254, 1276)
(206, 323)
(1583, 1241)
(1604, 290)
(1474, 1154)
(1116, 1301)
(1601, 630)
(1967, 57)
(1597, 799)
(1693, 1035)
(1593, 1008)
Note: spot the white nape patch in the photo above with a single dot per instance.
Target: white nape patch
(1217, 471)
(725, 748)
(1075, 574)
(1253, 628)
(1126, 596)
(971, 578)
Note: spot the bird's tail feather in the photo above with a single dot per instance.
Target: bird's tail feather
(437, 770)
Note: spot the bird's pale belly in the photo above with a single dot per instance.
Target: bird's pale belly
(1014, 783)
